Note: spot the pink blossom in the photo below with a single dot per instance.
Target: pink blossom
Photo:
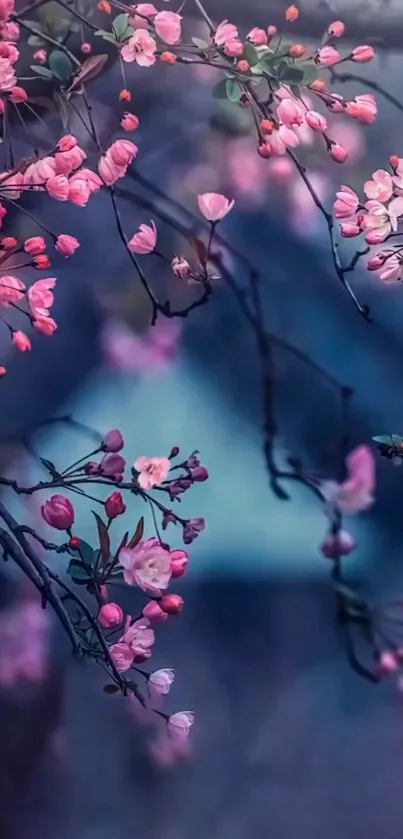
(363, 108)
(45, 325)
(316, 121)
(67, 161)
(109, 171)
(180, 267)
(214, 206)
(79, 191)
(159, 682)
(148, 565)
(380, 188)
(290, 112)
(179, 724)
(58, 187)
(11, 290)
(93, 180)
(233, 48)
(356, 492)
(168, 26)
(391, 270)
(113, 441)
(153, 470)
(224, 33)
(40, 296)
(346, 204)
(285, 137)
(39, 172)
(380, 221)
(336, 28)
(145, 240)
(257, 37)
(114, 505)
(58, 512)
(153, 612)
(21, 341)
(129, 122)
(12, 184)
(363, 54)
(328, 56)
(138, 21)
(140, 48)
(8, 79)
(122, 152)
(110, 615)
(179, 563)
(338, 153)
(66, 245)
(34, 245)
(336, 545)
(349, 230)
(122, 656)
(139, 637)
(113, 466)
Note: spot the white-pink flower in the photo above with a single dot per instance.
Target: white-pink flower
(148, 565)
(356, 492)
(380, 188)
(153, 470)
(346, 203)
(140, 48)
(139, 637)
(380, 221)
(290, 112)
(214, 206)
(391, 270)
(145, 240)
(179, 724)
(160, 682)
(224, 33)
(168, 26)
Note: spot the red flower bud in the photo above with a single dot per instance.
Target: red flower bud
(74, 542)
(171, 604)
(114, 505)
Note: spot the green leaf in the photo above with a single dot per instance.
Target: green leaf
(60, 65)
(111, 688)
(220, 90)
(104, 541)
(233, 90)
(138, 534)
(41, 71)
(107, 36)
(310, 73)
(250, 54)
(200, 44)
(119, 25)
(84, 553)
(78, 572)
(292, 75)
(62, 110)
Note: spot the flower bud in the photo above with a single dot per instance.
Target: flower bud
(338, 153)
(394, 161)
(265, 150)
(266, 126)
(160, 681)
(66, 244)
(86, 48)
(291, 14)
(180, 267)
(179, 563)
(110, 614)
(129, 122)
(348, 229)
(125, 95)
(58, 512)
(199, 474)
(114, 505)
(154, 613)
(362, 54)
(74, 542)
(388, 662)
(41, 261)
(171, 604)
(103, 591)
(113, 441)
(8, 243)
(336, 28)
(375, 262)
(337, 544)
(243, 66)
(297, 50)
(21, 341)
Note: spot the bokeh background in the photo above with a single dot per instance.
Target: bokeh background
(288, 741)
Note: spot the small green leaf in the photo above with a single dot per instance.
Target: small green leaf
(233, 90)
(78, 572)
(104, 541)
(292, 75)
(220, 90)
(41, 71)
(36, 41)
(111, 688)
(200, 44)
(138, 534)
(250, 54)
(62, 110)
(85, 553)
(119, 25)
(60, 65)
(310, 73)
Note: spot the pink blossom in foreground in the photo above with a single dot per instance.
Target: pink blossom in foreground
(34, 245)
(139, 637)
(21, 341)
(355, 494)
(148, 565)
(159, 682)
(66, 245)
(168, 26)
(144, 11)
(11, 290)
(69, 160)
(290, 112)
(224, 33)
(110, 615)
(145, 240)
(140, 48)
(328, 56)
(122, 656)
(346, 204)
(214, 206)
(362, 53)
(363, 108)
(154, 613)
(40, 296)
(380, 221)
(392, 269)
(58, 512)
(257, 37)
(152, 470)
(380, 187)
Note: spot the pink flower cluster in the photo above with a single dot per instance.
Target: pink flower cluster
(377, 218)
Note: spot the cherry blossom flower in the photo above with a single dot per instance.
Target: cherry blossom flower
(346, 204)
(363, 108)
(145, 240)
(355, 494)
(392, 269)
(380, 221)
(224, 33)
(148, 565)
(8, 79)
(214, 206)
(139, 637)
(11, 290)
(179, 724)
(159, 682)
(140, 48)
(122, 656)
(168, 26)
(40, 296)
(380, 188)
(58, 512)
(152, 470)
